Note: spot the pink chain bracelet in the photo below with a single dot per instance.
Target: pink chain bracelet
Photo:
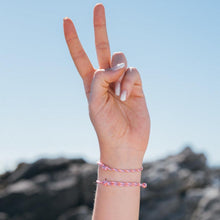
(117, 183)
(105, 167)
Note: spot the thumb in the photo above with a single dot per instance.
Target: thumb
(114, 73)
(102, 79)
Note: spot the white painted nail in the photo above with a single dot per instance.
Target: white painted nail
(117, 88)
(118, 66)
(123, 95)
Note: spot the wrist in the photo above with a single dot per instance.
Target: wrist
(122, 158)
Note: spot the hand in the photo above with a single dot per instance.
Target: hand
(117, 106)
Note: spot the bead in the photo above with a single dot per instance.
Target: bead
(144, 185)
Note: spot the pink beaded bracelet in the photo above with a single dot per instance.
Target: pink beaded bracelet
(118, 183)
(105, 167)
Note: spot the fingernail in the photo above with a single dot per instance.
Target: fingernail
(123, 95)
(66, 18)
(118, 66)
(117, 88)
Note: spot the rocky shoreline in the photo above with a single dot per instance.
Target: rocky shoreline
(180, 187)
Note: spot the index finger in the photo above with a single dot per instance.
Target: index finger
(78, 54)
(101, 37)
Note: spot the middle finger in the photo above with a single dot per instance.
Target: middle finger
(101, 37)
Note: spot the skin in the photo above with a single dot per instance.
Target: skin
(122, 127)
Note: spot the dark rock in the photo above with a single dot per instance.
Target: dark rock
(169, 176)
(3, 216)
(34, 200)
(192, 198)
(79, 213)
(27, 171)
(180, 187)
(215, 177)
(88, 184)
(189, 160)
(157, 209)
(209, 206)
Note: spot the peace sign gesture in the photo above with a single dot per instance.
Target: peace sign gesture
(117, 106)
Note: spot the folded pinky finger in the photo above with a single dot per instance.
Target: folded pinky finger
(131, 78)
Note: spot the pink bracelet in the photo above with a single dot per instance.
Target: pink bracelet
(105, 167)
(117, 183)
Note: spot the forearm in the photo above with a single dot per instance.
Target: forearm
(118, 202)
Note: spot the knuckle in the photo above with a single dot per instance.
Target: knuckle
(98, 73)
(71, 39)
(79, 55)
(102, 45)
(135, 73)
(100, 25)
(128, 81)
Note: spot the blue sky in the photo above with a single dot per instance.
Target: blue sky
(175, 45)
